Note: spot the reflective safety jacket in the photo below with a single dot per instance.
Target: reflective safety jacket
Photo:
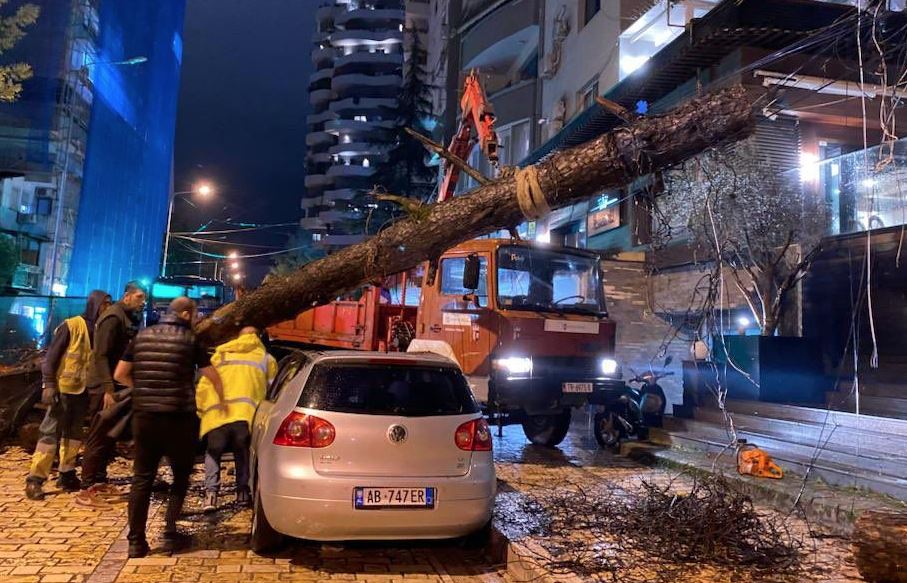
(72, 372)
(246, 370)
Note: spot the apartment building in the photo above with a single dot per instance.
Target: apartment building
(360, 51)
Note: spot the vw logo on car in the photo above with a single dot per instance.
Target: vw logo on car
(396, 433)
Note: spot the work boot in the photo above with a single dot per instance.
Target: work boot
(33, 490)
(105, 489)
(90, 499)
(210, 504)
(68, 482)
(176, 541)
(243, 498)
(137, 550)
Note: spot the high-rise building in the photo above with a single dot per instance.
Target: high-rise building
(85, 153)
(122, 213)
(358, 54)
(43, 140)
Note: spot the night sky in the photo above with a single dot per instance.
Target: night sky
(241, 121)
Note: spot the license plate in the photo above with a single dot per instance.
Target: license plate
(577, 387)
(370, 498)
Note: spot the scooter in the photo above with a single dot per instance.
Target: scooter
(631, 413)
(652, 400)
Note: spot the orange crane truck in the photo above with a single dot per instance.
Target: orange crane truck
(527, 323)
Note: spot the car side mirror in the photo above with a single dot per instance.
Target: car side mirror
(471, 272)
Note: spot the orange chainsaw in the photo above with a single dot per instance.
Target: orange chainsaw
(752, 461)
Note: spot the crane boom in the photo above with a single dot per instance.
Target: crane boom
(476, 115)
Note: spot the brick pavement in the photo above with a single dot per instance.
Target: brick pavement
(55, 540)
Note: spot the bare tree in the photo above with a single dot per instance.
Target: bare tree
(752, 218)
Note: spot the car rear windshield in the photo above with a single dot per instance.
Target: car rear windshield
(379, 389)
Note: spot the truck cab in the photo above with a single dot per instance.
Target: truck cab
(527, 324)
(529, 327)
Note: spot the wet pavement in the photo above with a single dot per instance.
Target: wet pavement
(55, 540)
(533, 481)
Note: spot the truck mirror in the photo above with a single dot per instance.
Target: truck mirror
(471, 272)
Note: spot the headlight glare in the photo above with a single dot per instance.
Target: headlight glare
(516, 365)
(608, 366)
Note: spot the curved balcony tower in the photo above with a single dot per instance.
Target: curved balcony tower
(358, 56)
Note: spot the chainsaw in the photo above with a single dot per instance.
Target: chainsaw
(752, 461)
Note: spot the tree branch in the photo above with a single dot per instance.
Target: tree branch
(440, 150)
(566, 177)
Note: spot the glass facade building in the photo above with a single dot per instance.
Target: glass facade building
(127, 173)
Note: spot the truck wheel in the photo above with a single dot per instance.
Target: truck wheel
(264, 538)
(547, 430)
(607, 433)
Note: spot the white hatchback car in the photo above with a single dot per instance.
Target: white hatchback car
(362, 445)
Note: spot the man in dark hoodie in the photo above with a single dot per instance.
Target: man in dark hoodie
(64, 373)
(110, 407)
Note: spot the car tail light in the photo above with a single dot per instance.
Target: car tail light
(473, 436)
(301, 430)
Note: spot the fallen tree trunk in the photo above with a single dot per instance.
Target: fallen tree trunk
(612, 160)
(880, 546)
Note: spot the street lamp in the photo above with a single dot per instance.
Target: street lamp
(202, 189)
(64, 174)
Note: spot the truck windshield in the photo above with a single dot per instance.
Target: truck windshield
(548, 280)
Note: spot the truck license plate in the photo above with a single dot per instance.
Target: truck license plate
(371, 498)
(577, 387)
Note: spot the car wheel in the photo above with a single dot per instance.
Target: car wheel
(479, 539)
(607, 433)
(264, 538)
(547, 430)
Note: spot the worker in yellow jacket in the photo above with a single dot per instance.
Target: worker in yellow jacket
(64, 375)
(246, 369)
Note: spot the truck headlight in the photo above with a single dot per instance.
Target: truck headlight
(515, 365)
(609, 367)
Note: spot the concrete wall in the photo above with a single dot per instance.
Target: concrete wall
(641, 334)
(503, 22)
(514, 103)
(589, 52)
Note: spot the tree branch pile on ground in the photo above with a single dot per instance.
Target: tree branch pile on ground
(663, 533)
(611, 160)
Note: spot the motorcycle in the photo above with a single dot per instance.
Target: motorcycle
(632, 412)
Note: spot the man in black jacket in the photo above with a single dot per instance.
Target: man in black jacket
(160, 366)
(114, 331)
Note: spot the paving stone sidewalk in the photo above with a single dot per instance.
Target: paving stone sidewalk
(56, 540)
